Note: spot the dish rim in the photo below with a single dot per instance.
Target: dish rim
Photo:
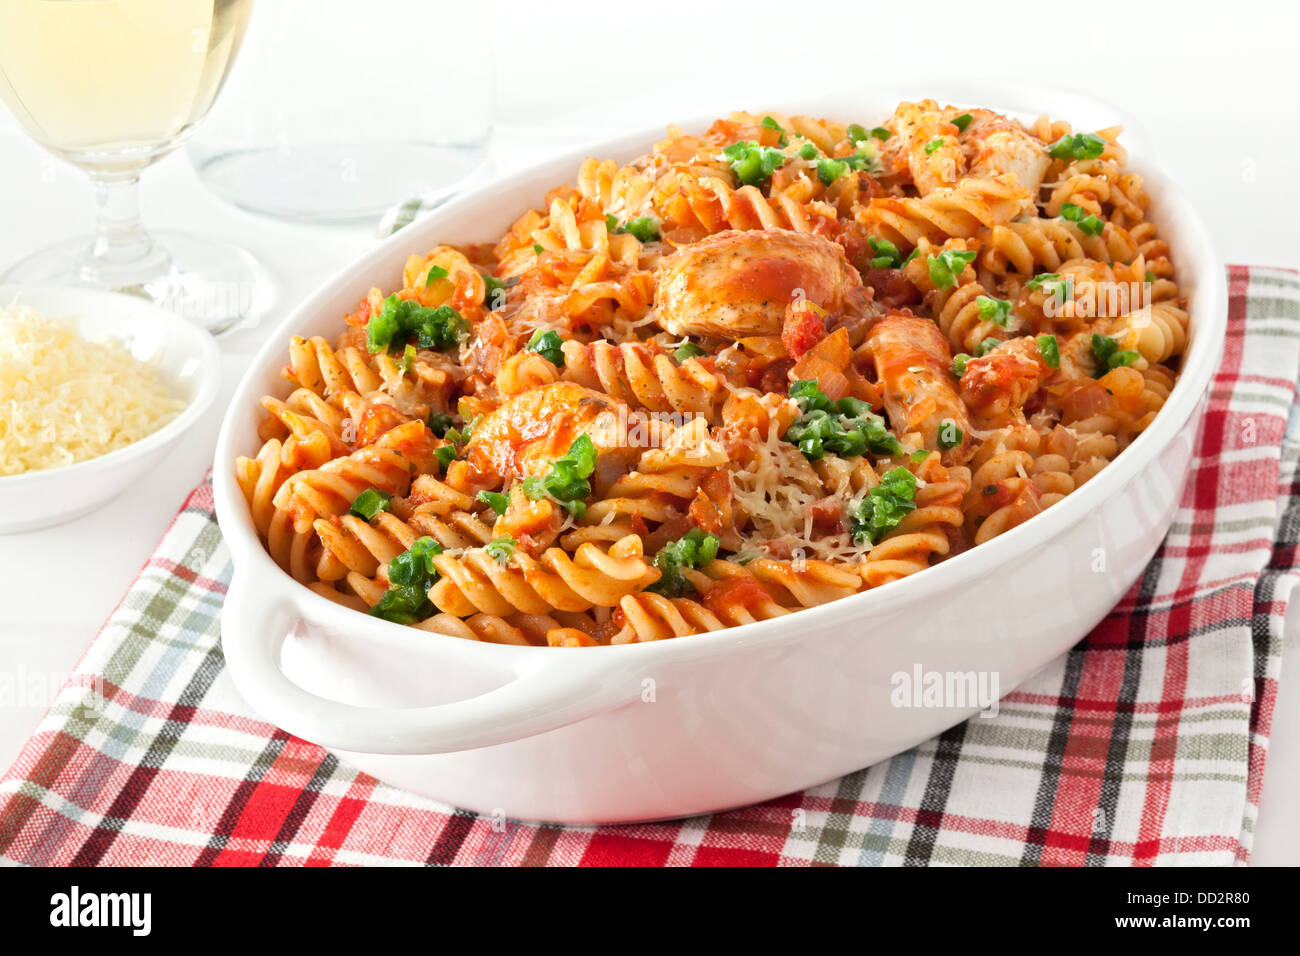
(1200, 361)
(205, 350)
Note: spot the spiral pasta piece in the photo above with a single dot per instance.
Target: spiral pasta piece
(476, 580)
(959, 211)
(644, 378)
(653, 617)
(1158, 333)
(1028, 246)
(387, 465)
(926, 533)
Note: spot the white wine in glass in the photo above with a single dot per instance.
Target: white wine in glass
(112, 86)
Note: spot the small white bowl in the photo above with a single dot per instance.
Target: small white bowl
(188, 363)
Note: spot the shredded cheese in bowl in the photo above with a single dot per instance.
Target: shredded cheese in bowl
(64, 399)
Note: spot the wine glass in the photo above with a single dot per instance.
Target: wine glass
(112, 86)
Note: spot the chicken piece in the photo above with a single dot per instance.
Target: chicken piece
(997, 145)
(913, 366)
(927, 146)
(936, 159)
(895, 152)
(739, 282)
(530, 431)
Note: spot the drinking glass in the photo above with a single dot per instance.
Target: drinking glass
(340, 110)
(112, 86)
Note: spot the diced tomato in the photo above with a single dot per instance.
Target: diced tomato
(362, 314)
(801, 328)
(741, 590)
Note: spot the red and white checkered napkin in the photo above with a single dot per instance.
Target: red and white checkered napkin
(1144, 744)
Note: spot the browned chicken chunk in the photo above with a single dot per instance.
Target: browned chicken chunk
(530, 431)
(912, 362)
(738, 283)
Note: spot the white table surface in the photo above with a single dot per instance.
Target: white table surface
(1214, 93)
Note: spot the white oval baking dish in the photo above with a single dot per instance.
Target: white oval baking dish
(696, 724)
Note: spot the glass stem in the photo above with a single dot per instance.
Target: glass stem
(123, 255)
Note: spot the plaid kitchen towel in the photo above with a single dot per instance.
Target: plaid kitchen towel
(1144, 744)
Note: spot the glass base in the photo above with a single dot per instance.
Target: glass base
(343, 184)
(214, 284)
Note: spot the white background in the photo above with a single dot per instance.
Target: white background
(1213, 86)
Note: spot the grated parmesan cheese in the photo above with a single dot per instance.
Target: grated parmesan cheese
(64, 399)
(776, 492)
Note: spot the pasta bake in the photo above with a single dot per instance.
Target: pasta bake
(757, 369)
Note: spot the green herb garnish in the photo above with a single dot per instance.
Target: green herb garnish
(369, 503)
(1049, 350)
(934, 144)
(958, 366)
(643, 228)
(404, 604)
(494, 500)
(534, 487)
(439, 423)
(829, 170)
(688, 350)
(410, 575)
(884, 254)
(692, 550)
(566, 481)
(946, 268)
(1077, 146)
(864, 160)
(997, 311)
(1088, 224)
(548, 345)
(441, 328)
(435, 272)
(961, 122)
(846, 428)
(1052, 285)
(753, 164)
(415, 564)
(494, 292)
(1108, 354)
(445, 454)
(501, 549)
(884, 506)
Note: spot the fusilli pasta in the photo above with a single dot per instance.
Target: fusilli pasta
(757, 369)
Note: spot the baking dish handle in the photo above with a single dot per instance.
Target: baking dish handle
(546, 692)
